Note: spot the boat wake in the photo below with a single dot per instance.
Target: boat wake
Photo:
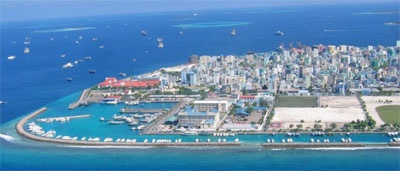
(64, 29)
(212, 24)
(7, 137)
(339, 30)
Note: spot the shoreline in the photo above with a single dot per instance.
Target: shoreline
(21, 131)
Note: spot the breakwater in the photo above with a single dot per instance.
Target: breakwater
(328, 145)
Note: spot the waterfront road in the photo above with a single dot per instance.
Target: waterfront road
(151, 129)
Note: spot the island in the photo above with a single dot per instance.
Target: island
(299, 97)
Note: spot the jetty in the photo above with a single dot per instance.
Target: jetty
(128, 110)
(82, 100)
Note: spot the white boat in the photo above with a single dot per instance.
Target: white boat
(160, 45)
(131, 102)
(122, 74)
(114, 102)
(279, 33)
(112, 122)
(69, 79)
(143, 32)
(11, 57)
(88, 58)
(27, 42)
(233, 32)
(94, 38)
(68, 65)
(190, 133)
(63, 56)
(101, 46)
(76, 42)
(80, 37)
(159, 39)
(26, 50)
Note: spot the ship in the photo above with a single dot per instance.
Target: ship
(160, 45)
(279, 33)
(26, 50)
(69, 79)
(88, 58)
(143, 32)
(11, 57)
(76, 42)
(122, 74)
(159, 39)
(92, 71)
(233, 32)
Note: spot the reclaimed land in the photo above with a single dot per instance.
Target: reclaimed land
(389, 113)
(297, 101)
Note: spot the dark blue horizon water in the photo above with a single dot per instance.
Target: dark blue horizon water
(37, 79)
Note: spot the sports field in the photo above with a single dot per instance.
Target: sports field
(389, 113)
(297, 101)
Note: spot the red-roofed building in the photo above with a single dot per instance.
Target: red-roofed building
(108, 82)
(247, 98)
(113, 82)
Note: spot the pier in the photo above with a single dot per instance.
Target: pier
(82, 100)
(128, 110)
(160, 120)
(62, 118)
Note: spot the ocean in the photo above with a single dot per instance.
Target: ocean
(37, 79)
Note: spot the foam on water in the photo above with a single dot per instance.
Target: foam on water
(7, 137)
(64, 29)
(211, 24)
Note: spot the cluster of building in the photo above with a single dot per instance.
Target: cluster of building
(240, 81)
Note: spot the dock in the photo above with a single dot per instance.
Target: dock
(82, 100)
(160, 120)
(139, 110)
(62, 118)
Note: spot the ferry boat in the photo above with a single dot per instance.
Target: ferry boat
(11, 57)
(279, 33)
(233, 32)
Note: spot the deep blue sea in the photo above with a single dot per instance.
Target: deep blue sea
(37, 79)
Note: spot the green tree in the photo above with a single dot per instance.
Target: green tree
(333, 125)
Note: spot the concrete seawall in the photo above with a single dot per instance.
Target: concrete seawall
(327, 145)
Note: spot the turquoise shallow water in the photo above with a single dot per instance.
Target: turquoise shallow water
(37, 79)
